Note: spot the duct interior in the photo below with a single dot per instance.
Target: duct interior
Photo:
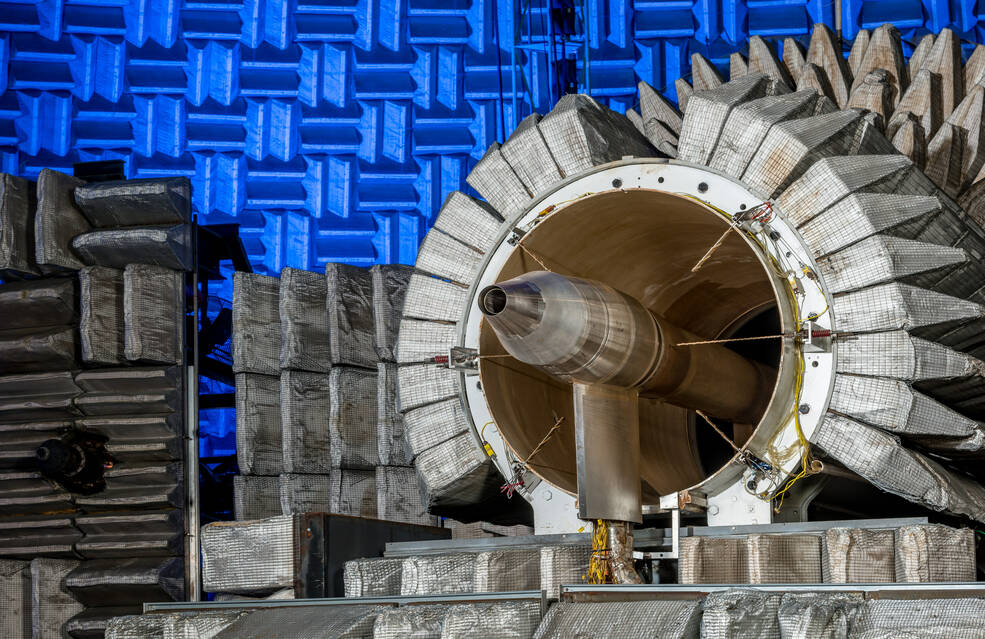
(642, 243)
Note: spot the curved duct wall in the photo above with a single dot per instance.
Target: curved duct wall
(644, 244)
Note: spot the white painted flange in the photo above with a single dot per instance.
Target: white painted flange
(776, 440)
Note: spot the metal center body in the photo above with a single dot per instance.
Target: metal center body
(587, 332)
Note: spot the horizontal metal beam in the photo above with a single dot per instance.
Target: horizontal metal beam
(442, 546)
(796, 527)
(643, 538)
(520, 595)
(583, 593)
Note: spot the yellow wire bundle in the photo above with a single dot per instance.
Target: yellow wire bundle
(806, 461)
(599, 566)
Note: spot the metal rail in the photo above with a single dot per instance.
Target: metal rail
(642, 538)
(583, 593)
(193, 573)
(520, 595)
(525, 44)
(795, 527)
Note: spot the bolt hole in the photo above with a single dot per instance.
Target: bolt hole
(702, 187)
(616, 183)
(742, 207)
(660, 180)
(815, 364)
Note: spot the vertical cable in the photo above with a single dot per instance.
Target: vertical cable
(587, 33)
(500, 129)
(549, 50)
(516, 28)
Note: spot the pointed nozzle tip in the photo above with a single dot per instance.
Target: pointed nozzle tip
(492, 300)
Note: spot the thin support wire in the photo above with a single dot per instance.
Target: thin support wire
(714, 247)
(536, 450)
(733, 339)
(534, 256)
(719, 431)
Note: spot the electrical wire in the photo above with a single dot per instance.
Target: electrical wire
(550, 208)
(600, 564)
(807, 462)
(482, 431)
(817, 316)
(516, 482)
(499, 74)
(486, 446)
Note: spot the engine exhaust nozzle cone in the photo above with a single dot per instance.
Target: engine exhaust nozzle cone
(575, 329)
(587, 332)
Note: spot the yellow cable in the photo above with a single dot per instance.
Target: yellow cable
(552, 207)
(486, 446)
(805, 459)
(598, 565)
(817, 316)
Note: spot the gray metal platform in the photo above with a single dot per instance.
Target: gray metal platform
(643, 539)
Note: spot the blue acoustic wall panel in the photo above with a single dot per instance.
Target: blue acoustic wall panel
(331, 130)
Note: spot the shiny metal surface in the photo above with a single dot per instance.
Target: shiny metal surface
(621, 553)
(642, 243)
(587, 332)
(575, 329)
(193, 543)
(708, 377)
(607, 425)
